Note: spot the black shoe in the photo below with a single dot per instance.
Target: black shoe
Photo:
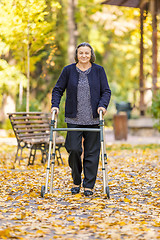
(88, 192)
(75, 190)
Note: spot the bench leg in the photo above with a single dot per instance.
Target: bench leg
(44, 149)
(44, 156)
(58, 154)
(32, 155)
(19, 148)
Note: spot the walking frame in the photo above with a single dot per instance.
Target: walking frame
(52, 145)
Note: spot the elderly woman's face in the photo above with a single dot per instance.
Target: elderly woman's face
(84, 54)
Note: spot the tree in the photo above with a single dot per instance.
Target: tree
(72, 29)
(114, 33)
(28, 31)
(10, 78)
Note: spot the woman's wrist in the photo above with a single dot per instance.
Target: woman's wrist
(104, 110)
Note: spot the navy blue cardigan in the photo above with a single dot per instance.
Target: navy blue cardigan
(99, 89)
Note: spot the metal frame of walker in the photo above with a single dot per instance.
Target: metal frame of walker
(51, 156)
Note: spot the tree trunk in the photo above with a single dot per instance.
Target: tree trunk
(72, 29)
(154, 6)
(141, 80)
(20, 93)
(28, 63)
(28, 78)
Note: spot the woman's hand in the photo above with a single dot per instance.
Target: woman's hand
(55, 108)
(103, 110)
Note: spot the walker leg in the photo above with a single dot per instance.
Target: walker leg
(107, 192)
(104, 158)
(106, 174)
(53, 159)
(106, 167)
(103, 168)
(44, 189)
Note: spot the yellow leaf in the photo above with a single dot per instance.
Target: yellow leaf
(77, 196)
(123, 175)
(1, 216)
(92, 207)
(143, 222)
(9, 198)
(19, 216)
(25, 196)
(40, 232)
(28, 213)
(127, 200)
(17, 210)
(122, 223)
(22, 208)
(5, 234)
(18, 197)
(70, 218)
(33, 194)
(40, 207)
(85, 224)
(156, 224)
(111, 206)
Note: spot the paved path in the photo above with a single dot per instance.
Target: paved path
(9, 141)
(134, 140)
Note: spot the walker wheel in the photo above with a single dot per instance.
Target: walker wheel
(42, 191)
(107, 192)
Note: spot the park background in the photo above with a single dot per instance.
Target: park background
(39, 38)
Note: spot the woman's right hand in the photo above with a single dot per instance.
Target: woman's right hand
(55, 108)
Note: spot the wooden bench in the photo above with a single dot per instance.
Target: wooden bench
(32, 130)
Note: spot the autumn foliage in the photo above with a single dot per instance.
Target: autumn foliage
(131, 213)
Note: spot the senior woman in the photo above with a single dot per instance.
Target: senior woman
(87, 92)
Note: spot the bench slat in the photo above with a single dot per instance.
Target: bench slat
(36, 137)
(33, 130)
(40, 140)
(31, 126)
(27, 113)
(33, 135)
(36, 141)
(30, 122)
(28, 117)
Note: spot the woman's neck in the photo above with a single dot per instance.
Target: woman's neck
(84, 66)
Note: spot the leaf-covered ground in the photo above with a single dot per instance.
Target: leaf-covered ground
(133, 211)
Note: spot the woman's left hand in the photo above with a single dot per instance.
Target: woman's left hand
(103, 110)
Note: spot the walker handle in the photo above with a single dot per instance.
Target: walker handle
(100, 115)
(53, 114)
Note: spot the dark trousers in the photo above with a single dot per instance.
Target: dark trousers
(91, 147)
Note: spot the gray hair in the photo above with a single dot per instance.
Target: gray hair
(84, 44)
